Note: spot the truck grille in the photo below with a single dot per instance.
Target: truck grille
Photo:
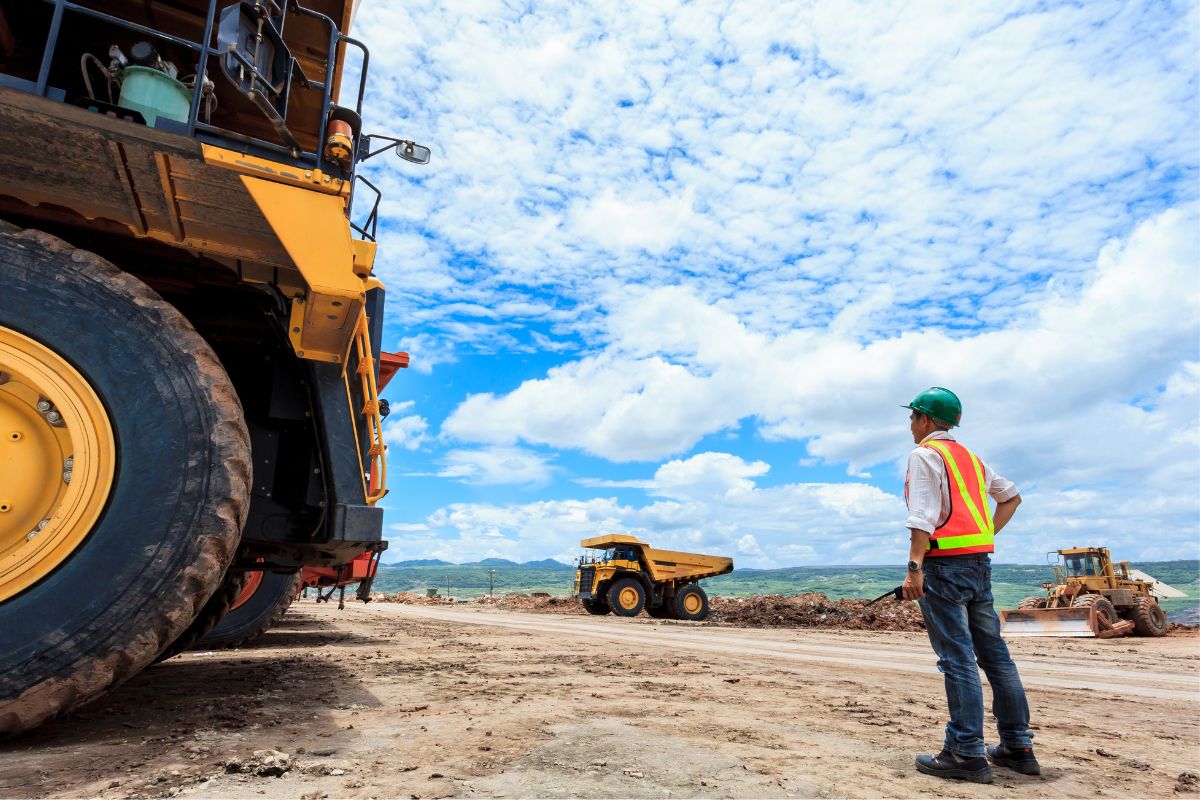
(586, 577)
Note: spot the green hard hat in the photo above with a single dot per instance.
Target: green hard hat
(941, 404)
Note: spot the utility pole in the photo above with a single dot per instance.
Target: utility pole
(447, 588)
(491, 584)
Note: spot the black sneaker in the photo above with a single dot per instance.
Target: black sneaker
(950, 765)
(1019, 759)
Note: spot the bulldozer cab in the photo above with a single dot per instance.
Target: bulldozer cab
(1090, 566)
(1081, 565)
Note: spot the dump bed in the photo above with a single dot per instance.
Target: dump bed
(666, 565)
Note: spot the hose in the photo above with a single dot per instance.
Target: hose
(87, 81)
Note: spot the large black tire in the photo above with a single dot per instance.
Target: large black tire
(626, 597)
(179, 497)
(1149, 619)
(256, 615)
(691, 603)
(216, 609)
(661, 611)
(1032, 602)
(597, 607)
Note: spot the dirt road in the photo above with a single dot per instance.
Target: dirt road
(418, 701)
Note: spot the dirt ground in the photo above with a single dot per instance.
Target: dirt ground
(392, 700)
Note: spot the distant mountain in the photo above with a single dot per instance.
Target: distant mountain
(492, 562)
(421, 562)
(548, 563)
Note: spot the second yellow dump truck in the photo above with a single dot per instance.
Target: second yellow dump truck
(625, 576)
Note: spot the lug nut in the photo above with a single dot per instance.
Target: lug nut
(66, 476)
(69, 464)
(43, 524)
(53, 417)
(30, 536)
(43, 406)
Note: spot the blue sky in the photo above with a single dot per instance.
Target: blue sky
(675, 265)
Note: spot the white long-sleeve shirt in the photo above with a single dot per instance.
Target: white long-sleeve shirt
(929, 486)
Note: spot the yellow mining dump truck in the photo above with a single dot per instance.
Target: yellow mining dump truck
(1089, 596)
(189, 324)
(625, 576)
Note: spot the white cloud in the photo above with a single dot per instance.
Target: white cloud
(677, 369)
(492, 466)
(711, 504)
(786, 159)
(406, 432)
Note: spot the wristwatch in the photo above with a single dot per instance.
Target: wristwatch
(914, 566)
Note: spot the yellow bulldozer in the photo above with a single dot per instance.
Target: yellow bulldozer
(190, 325)
(1090, 596)
(624, 576)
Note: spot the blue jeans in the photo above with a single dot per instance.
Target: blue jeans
(963, 628)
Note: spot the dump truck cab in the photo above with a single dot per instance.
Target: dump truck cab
(624, 575)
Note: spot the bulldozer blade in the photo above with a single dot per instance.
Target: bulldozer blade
(1048, 622)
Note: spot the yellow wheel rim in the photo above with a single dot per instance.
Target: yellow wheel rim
(628, 598)
(57, 459)
(692, 604)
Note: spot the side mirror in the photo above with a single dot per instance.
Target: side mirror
(411, 151)
(405, 148)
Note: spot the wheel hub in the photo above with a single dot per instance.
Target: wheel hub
(692, 603)
(628, 598)
(57, 460)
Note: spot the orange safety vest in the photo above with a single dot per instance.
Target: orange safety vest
(969, 527)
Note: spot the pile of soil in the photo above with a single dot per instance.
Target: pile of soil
(813, 610)
(810, 610)
(544, 605)
(408, 598)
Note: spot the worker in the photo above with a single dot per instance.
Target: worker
(952, 529)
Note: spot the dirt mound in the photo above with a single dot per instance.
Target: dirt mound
(814, 610)
(408, 598)
(544, 605)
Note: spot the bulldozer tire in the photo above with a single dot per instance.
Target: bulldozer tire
(169, 522)
(1032, 602)
(626, 597)
(597, 607)
(254, 615)
(1104, 609)
(1149, 619)
(216, 609)
(691, 603)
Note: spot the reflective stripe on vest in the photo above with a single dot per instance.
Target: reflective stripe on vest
(969, 527)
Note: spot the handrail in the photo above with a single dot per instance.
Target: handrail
(376, 460)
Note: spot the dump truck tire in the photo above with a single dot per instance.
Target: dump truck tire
(255, 614)
(597, 607)
(626, 597)
(166, 427)
(216, 609)
(691, 603)
(1032, 602)
(661, 611)
(1149, 619)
